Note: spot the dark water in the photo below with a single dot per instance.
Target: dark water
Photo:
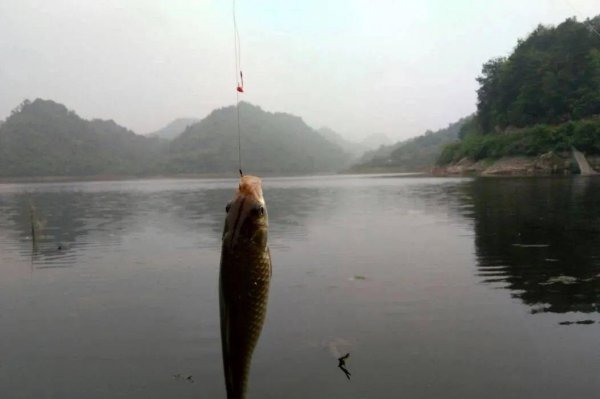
(438, 288)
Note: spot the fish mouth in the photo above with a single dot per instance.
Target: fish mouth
(251, 186)
(247, 212)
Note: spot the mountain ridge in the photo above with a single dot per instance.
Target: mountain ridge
(271, 142)
(174, 128)
(44, 138)
(416, 154)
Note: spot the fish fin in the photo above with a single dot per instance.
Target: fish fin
(225, 330)
(270, 264)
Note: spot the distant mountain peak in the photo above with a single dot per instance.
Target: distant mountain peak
(272, 142)
(40, 107)
(45, 138)
(352, 148)
(415, 154)
(375, 140)
(174, 128)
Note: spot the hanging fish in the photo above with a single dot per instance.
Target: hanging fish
(243, 282)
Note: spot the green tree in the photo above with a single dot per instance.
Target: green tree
(551, 77)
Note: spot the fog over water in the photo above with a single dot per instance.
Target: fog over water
(360, 67)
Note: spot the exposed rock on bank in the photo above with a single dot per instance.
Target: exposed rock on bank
(594, 162)
(546, 164)
(583, 164)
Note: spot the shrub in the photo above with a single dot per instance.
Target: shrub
(530, 141)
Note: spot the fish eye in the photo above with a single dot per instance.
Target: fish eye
(258, 210)
(228, 207)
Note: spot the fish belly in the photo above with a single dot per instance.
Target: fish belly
(244, 289)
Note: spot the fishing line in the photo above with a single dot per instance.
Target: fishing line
(239, 83)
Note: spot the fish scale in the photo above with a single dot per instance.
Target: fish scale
(244, 280)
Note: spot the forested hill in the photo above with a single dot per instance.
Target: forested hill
(271, 143)
(553, 76)
(356, 149)
(416, 154)
(44, 138)
(545, 96)
(174, 128)
(352, 148)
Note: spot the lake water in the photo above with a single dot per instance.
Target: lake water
(438, 288)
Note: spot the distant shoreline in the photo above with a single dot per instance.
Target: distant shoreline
(102, 178)
(382, 173)
(107, 178)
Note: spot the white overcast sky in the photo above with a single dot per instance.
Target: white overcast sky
(357, 66)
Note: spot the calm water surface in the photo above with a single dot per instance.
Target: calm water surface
(438, 288)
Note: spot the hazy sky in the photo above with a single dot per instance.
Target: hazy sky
(359, 67)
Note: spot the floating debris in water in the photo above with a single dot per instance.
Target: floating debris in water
(36, 226)
(180, 377)
(561, 280)
(584, 322)
(358, 277)
(342, 365)
(531, 245)
(540, 309)
(338, 346)
(551, 260)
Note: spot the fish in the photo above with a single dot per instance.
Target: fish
(244, 280)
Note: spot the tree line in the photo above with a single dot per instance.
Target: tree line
(545, 96)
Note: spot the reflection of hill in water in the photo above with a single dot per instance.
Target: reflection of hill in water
(80, 217)
(540, 237)
(70, 219)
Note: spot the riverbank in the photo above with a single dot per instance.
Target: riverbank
(70, 179)
(547, 164)
(192, 176)
(544, 165)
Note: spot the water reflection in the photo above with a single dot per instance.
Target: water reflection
(78, 217)
(382, 269)
(69, 221)
(540, 238)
